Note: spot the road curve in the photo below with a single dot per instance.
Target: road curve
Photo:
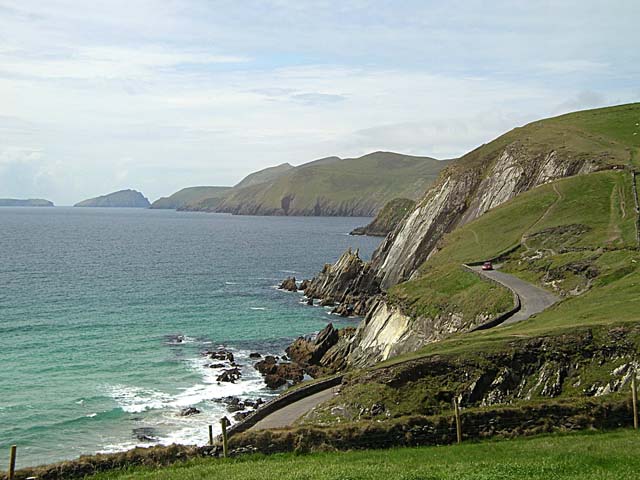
(533, 299)
(287, 415)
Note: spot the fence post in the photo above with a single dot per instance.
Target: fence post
(210, 435)
(223, 422)
(634, 399)
(456, 411)
(12, 462)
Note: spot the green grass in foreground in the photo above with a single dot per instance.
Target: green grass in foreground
(584, 456)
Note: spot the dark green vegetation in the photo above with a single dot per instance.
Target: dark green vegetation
(122, 198)
(32, 202)
(331, 186)
(191, 195)
(387, 218)
(613, 455)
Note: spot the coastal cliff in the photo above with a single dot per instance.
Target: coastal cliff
(478, 182)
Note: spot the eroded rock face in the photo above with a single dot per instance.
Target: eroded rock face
(463, 193)
(279, 374)
(577, 364)
(348, 282)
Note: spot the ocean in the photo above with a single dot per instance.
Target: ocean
(104, 314)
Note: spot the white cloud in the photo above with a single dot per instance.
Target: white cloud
(159, 95)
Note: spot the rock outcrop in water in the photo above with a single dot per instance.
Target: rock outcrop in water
(121, 199)
(289, 284)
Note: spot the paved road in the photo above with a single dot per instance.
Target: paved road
(532, 299)
(287, 415)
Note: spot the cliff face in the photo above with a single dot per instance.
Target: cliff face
(461, 196)
(474, 184)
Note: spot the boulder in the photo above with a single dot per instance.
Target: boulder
(255, 355)
(187, 412)
(267, 366)
(274, 381)
(304, 284)
(307, 352)
(220, 355)
(289, 284)
(229, 375)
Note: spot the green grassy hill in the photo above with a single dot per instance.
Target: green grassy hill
(190, 195)
(609, 135)
(334, 187)
(568, 236)
(264, 175)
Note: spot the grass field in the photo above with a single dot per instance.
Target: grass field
(583, 456)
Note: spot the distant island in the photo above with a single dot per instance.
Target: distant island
(31, 202)
(123, 198)
(188, 195)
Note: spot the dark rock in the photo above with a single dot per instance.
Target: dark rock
(220, 355)
(307, 352)
(266, 366)
(255, 355)
(253, 403)
(216, 365)
(240, 416)
(289, 284)
(186, 412)
(377, 409)
(304, 284)
(327, 302)
(236, 407)
(145, 434)
(310, 301)
(230, 375)
(274, 381)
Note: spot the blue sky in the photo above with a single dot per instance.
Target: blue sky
(159, 95)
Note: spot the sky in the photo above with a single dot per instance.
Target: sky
(159, 95)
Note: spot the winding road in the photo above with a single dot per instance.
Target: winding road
(533, 299)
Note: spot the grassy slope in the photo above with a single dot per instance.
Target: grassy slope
(387, 218)
(583, 456)
(605, 135)
(265, 175)
(189, 195)
(595, 201)
(366, 183)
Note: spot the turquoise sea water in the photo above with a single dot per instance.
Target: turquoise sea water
(91, 302)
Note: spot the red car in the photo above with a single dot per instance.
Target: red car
(487, 266)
